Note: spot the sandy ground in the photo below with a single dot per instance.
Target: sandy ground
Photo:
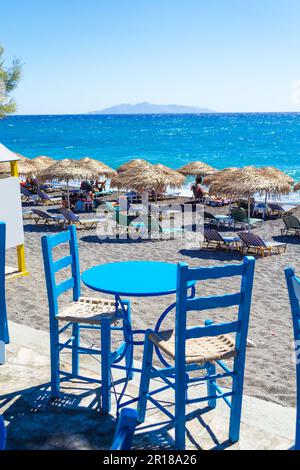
(270, 370)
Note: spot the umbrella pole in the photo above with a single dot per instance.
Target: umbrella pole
(68, 195)
(249, 212)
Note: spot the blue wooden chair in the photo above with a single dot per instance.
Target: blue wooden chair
(200, 348)
(293, 283)
(81, 313)
(125, 429)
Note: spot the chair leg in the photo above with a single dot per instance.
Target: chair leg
(180, 392)
(236, 406)
(54, 352)
(211, 389)
(105, 365)
(145, 380)
(75, 344)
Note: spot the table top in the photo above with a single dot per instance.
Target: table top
(133, 278)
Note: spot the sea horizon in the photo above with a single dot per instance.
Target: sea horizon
(219, 139)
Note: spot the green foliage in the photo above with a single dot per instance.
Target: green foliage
(9, 79)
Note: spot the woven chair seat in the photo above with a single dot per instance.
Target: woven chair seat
(198, 350)
(89, 311)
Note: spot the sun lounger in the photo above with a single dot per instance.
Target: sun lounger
(252, 243)
(240, 217)
(154, 227)
(27, 196)
(292, 225)
(80, 222)
(213, 239)
(280, 210)
(44, 217)
(46, 199)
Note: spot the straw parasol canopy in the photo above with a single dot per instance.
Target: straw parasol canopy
(133, 164)
(99, 168)
(273, 172)
(42, 162)
(67, 170)
(140, 179)
(208, 180)
(172, 178)
(297, 187)
(248, 181)
(25, 166)
(197, 169)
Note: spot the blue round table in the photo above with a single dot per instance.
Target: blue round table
(133, 278)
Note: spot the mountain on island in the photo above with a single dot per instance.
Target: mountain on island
(148, 108)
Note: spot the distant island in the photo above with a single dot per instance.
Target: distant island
(149, 108)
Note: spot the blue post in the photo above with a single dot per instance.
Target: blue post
(293, 284)
(180, 328)
(129, 347)
(4, 335)
(241, 345)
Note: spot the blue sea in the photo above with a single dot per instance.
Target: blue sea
(222, 140)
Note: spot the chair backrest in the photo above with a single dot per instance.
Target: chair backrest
(51, 267)
(42, 213)
(69, 215)
(239, 214)
(43, 195)
(274, 206)
(209, 215)
(290, 221)
(212, 236)
(185, 304)
(25, 192)
(293, 284)
(125, 429)
(250, 239)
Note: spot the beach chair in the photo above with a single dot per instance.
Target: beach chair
(293, 283)
(291, 225)
(46, 199)
(213, 239)
(202, 348)
(27, 196)
(155, 228)
(81, 223)
(125, 429)
(81, 313)
(240, 218)
(254, 244)
(279, 210)
(46, 218)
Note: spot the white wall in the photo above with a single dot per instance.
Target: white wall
(11, 211)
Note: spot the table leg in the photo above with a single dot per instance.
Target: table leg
(105, 365)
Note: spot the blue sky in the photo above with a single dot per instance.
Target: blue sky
(82, 55)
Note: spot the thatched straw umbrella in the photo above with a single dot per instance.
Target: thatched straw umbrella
(25, 166)
(97, 167)
(41, 163)
(140, 179)
(297, 187)
(248, 181)
(67, 170)
(172, 178)
(133, 164)
(196, 169)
